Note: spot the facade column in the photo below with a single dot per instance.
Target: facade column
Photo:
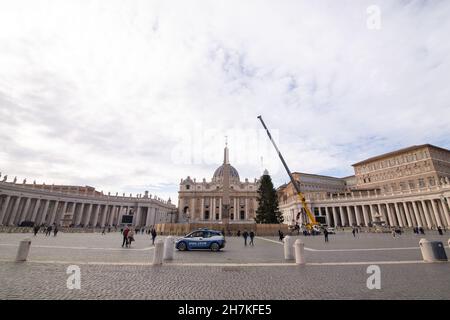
(213, 209)
(427, 214)
(60, 215)
(407, 214)
(246, 208)
(350, 216)
(137, 219)
(328, 214)
(220, 209)
(148, 221)
(104, 213)
(14, 211)
(111, 216)
(79, 215)
(390, 215)
(4, 208)
(44, 211)
(382, 213)
(87, 216)
(202, 209)
(417, 214)
(24, 214)
(341, 213)
(446, 212)
(335, 216)
(400, 219)
(95, 218)
(436, 214)
(365, 215)
(357, 215)
(36, 208)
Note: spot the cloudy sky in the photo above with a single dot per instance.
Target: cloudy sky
(130, 96)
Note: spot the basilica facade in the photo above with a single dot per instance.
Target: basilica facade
(223, 199)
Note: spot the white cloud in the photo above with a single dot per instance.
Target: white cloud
(103, 92)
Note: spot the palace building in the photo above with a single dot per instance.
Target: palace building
(224, 199)
(407, 188)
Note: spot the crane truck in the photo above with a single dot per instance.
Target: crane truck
(312, 224)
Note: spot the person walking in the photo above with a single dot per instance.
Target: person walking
(280, 235)
(354, 232)
(239, 233)
(325, 233)
(252, 236)
(130, 237)
(55, 231)
(49, 230)
(245, 235)
(36, 230)
(153, 232)
(440, 231)
(393, 233)
(125, 236)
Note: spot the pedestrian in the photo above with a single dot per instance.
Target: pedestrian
(109, 229)
(325, 233)
(393, 233)
(245, 235)
(354, 232)
(153, 232)
(280, 235)
(252, 235)
(440, 230)
(125, 236)
(103, 231)
(130, 237)
(239, 233)
(36, 230)
(55, 231)
(49, 230)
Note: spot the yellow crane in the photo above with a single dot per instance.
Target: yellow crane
(312, 220)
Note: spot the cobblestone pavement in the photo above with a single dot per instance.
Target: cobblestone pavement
(43, 278)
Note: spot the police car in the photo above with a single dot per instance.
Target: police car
(201, 239)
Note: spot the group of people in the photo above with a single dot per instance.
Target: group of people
(129, 234)
(46, 229)
(246, 235)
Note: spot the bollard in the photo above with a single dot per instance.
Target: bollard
(168, 248)
(158, 256)
(288, 248)
(432, 251)
(24, 249)
(299, 252)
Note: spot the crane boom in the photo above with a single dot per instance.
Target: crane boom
(311, 217)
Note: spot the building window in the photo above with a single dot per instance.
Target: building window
(242, 214)
(217, 216)
(232, 216)
(188, 187)
(207, 215)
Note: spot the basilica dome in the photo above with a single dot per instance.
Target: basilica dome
(218, 174)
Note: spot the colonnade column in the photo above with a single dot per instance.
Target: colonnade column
(446, 213)
(436, 213)
(365, 215)
(24, 214)
(400, 219)
(44, 212)
(407, 214)
(335, 216)
(14, 211)
(427, 214)
(4, 208)
(417, 214)
(95, 218)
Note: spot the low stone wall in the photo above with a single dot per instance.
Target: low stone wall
(230, 229)
(9, 229)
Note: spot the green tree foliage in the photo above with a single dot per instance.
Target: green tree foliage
(268, 211)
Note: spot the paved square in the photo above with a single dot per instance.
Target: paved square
(334, 270)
